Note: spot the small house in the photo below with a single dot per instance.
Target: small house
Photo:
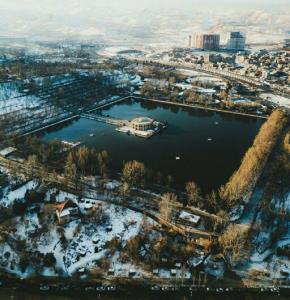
(66, 211)
(164, 259)
(81, 271)
(156, 272)
(96, 239)
(111, 271)
(189, 217)
(109, 228)
(132, 272)
(7, 151)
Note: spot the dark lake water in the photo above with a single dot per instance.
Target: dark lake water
(9, 294)
(209, 163)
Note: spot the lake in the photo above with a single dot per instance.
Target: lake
(11, 294)
(210, 144)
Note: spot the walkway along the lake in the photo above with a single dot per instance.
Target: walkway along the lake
(201, 107)
(73, 116)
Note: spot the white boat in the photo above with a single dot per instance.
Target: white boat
(91, 134)
(177, 158)
(209, 140)
(216, 123)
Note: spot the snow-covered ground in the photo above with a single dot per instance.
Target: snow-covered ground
(121, 224)
(187, 86)
(195, 76)
(118, 77)
(14, 97)
(10, 196)
(269, 259)
(112, 185)
(277, 204)
(12, 100)
(117, 50)
(279, 100)
(86, 238)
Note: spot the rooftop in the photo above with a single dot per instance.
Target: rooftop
(142, 120)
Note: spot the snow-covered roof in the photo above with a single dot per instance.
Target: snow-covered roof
(280, 100)
(65, 207)
(65, 212)
(142, 120)
(112, 185)
(190, 217)
(5, 152)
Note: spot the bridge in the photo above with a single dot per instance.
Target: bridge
(104, 119)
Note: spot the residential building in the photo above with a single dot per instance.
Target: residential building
(287, 44)
(237, 41)
(66, 211)
(189, 41)
(206, 41)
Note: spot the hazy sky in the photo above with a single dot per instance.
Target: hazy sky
(68, 5)
(98, 17)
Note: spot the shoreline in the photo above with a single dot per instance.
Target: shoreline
(201, 107)
(129, 289)
(146, 99)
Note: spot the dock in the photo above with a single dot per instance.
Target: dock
(103, 119)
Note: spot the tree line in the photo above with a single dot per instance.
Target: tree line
(85, 162)
(242, 180)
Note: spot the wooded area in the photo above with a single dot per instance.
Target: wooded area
(254, 160)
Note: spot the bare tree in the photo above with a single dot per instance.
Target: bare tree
(83, 158)
(103, 160)
(235, 243)
(31, 164)
(70, 171)
(166, 205)
(193, 193)
(134, 173)
(124, 188)
(222, 221)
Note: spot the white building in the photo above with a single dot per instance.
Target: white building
(142, 124)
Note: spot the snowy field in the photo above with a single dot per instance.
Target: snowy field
(11, 99)
(10, 196)
(117, 50)
(14, 97)
(195, 76)
(279, 100)
(269, 260)
(78, 244)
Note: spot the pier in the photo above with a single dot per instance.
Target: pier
(104, 119)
